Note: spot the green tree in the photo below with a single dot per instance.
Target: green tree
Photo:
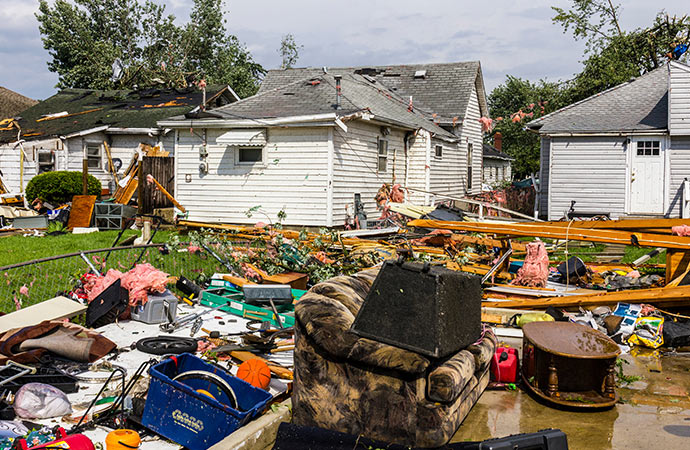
(513, 104)
(86, 37)
(289, 51)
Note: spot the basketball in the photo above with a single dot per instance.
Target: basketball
(255, 372)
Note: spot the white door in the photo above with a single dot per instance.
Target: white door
(647, 177)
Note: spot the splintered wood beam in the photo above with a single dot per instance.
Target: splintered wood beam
(167, 194)
(667, 295)
(558, 232)
(659, 226)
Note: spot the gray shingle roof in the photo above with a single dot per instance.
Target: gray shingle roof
(444, 90)
(317, 95)
(492, 152)
(638, 105)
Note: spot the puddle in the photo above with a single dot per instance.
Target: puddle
(655, 412)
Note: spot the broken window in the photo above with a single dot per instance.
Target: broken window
(383, 155)
(93, 156)
(439, 151)
(469, 165)
(648, 148)
(250, 155)
(46, 160)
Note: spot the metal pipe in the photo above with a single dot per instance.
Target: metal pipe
(337, 91)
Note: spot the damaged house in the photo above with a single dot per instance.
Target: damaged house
(75, 124)
(623, 152)
(311, 140)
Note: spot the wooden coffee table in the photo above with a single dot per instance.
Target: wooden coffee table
(569, 364)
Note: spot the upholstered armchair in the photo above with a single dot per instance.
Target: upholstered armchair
(360, 386)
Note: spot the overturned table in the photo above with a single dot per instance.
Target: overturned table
(569, 364)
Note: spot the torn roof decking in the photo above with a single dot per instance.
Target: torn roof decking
(440, 89)
(87, 109)
(317, 95)
(13, 103)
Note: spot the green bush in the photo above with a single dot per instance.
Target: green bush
(59, 187)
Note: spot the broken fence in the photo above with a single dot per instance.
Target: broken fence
(32, 282)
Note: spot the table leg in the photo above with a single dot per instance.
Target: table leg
(553, 379)
(610, 380)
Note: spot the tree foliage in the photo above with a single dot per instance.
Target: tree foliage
(514, 103)
(85, 38)
(289, 51)
(612, 56)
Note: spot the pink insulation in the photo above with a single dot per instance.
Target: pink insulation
(681, 230)
(141, 280)
(535, 270)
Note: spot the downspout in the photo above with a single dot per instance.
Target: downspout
(329, 181)
(427, 168)
(406, 147)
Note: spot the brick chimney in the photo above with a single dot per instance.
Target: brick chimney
(498, 141)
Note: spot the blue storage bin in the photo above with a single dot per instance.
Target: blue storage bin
(175, 410)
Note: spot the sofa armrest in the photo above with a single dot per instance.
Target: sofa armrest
(384, 356)
(447, 381)
(484, 351)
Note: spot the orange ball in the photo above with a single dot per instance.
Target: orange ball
(255, 372)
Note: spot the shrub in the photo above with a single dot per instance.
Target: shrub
(59, 187)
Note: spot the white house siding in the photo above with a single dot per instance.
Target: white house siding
(293, 178)
(418, 171)
(472, 132)
(495, 170)
(448, 173)
(355, 163)
(589, 170)
(679, 100)
(679, 159)
(544, 162)
(10, 164)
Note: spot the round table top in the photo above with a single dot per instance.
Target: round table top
(570, 340)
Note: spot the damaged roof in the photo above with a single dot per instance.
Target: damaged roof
(489, 151)
(12, 103)
(442, 90)
(638, 105)
(317, 95)
(77, 110)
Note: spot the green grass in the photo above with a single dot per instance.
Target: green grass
(632, 253)
(17, 248)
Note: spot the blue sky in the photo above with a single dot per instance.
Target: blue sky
(508, 37)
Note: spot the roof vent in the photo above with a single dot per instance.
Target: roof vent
(369, 78)
(420, 74)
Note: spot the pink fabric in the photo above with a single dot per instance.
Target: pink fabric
(535, 270)
(141, 280)
(681, 230)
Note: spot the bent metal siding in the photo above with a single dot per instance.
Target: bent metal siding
(590, 171)
(293, 178)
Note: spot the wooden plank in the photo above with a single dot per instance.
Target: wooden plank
(81, 211)
(659, 226)
(166, 193)
(111, 166)
(123, 197)
(668, 295)
(53, 309)
(557, 232)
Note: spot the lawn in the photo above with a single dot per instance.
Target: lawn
(18, 248)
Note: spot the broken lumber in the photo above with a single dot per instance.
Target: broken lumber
(557, 232)
(167, 194)
(81, 211)
(666, 295)
(658, 226)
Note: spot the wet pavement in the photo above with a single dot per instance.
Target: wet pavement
(653, 412)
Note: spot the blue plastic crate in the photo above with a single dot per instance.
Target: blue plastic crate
(177, 411)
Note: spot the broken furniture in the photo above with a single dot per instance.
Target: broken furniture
(569, 364)
(356, 385)
(52, 309)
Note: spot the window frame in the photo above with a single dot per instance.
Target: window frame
(650, 147)
(470, 150)
(438, 151)
(381, 156)
(89, 157)
(238, 152)
(52, 164)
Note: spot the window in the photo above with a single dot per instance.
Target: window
(250, 155)
(648, 148)
(93, 156)
(46, 161)
(439, 151)
(469, 165)
(383, 155)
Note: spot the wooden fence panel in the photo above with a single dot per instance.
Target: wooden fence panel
(162, 168)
